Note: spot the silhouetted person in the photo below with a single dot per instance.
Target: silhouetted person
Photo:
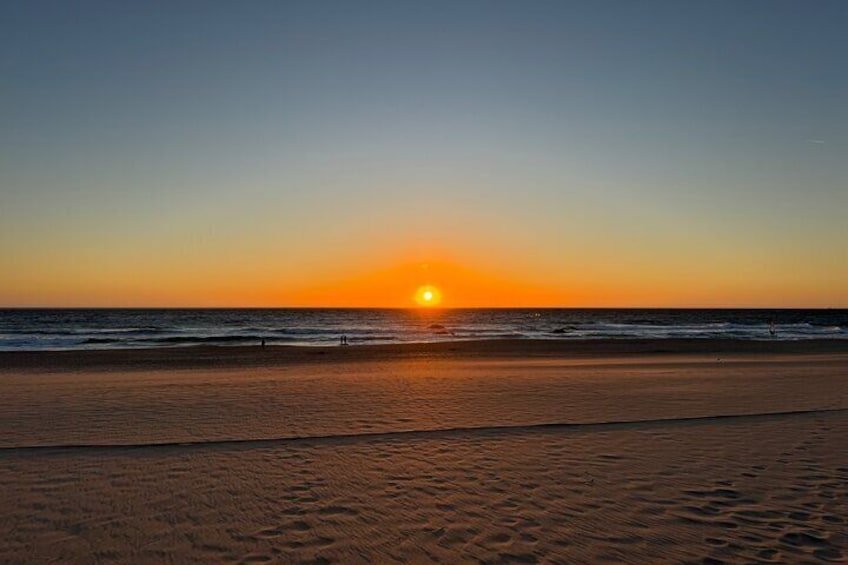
(343, 340)
(263, 342)
(772, 329)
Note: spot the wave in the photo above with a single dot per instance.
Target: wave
(212, 339)
(187, 339)
(93, 340)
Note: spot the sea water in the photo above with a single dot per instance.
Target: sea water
(45, 329)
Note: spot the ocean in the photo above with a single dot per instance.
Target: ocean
(63, 329)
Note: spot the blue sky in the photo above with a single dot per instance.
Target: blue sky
(538, 138)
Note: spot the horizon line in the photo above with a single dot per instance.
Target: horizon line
(424, 308)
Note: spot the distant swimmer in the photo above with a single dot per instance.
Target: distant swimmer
(772, 329)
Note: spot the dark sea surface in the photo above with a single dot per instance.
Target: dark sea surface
(42, 329)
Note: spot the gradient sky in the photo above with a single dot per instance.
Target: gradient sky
(593, 153)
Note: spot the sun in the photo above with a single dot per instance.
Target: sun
(428, 295)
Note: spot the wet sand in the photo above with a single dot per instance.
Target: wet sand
(215, 357)
(642, 452)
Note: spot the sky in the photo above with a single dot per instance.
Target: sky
(597, 153)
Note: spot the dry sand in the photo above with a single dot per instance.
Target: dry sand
(642, 452)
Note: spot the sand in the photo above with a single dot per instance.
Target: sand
(642, 452)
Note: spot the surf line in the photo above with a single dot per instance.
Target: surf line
(436, 433)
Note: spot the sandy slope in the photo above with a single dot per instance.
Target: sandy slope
(331, 398)
(772, 490)
(758, 488)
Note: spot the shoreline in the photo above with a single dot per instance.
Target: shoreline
(214, 356)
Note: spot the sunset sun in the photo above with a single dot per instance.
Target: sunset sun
(428, 296)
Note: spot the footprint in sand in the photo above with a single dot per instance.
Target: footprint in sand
(298, 526)
(803, 539)
(715, 541)
(718, 493)
(337, 511)
(829, 554)
(768, 554)
(256, 559)
(517, 558)
(499, 538)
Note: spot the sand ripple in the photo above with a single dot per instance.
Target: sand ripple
(769, 490)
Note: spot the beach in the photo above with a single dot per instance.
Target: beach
(524, 451)
(423, 282)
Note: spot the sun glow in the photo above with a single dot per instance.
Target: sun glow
(428, 295)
